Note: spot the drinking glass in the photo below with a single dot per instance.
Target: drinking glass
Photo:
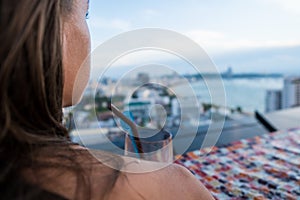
(152, 145)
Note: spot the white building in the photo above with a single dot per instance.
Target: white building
(175, 107)
(291, 92)
(273, 100)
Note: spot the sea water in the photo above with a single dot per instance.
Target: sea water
(247, 93)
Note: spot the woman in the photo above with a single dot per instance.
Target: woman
(43, 46)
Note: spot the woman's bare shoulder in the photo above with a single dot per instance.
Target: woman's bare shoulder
(139, 179)
(166, 182)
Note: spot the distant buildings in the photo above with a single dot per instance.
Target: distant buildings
(273, 100)
(140, 109)
(142, 78)
(228, 73)
(291, 92)
(288, 97)
(145, 100)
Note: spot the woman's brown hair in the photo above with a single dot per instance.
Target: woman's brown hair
(31, 75)
(31, 89)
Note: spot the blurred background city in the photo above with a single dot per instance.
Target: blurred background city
(255, 46)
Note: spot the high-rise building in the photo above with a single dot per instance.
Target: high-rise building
(273, 100)
(228, 73)
(291, 92)
(143, 78)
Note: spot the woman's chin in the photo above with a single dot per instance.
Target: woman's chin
(72, 102)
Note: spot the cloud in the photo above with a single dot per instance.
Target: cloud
(277, 59)
(218, 42)
(290, 6)
(206, 34)
(223, 49)
(141, 57)
(151, 12)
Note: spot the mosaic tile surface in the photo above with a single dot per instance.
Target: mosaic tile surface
(266, 167)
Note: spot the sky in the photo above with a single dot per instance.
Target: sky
(249, 35)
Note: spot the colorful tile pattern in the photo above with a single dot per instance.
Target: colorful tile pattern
(266, 167)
